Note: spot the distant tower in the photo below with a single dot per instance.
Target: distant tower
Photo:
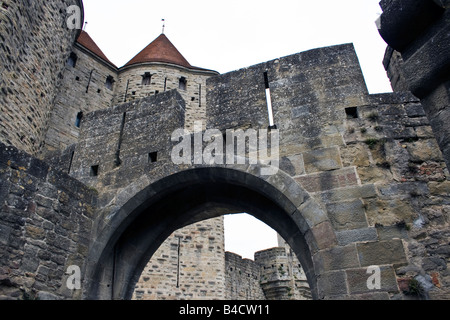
(161, 67)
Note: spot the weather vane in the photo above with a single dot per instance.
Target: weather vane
(164, 24)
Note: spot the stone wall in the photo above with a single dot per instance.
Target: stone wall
(123, 138)
(370, 160)
(35, 43)
(83, 90)
(419, 31)
(188, 265)
(46, 219)
(281, 275)
(242, 278)
(164, 78)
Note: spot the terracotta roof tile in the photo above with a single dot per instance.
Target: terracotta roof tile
(160, 50)
(86, 41)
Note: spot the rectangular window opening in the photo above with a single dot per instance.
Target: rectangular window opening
(78, 119)
(182, 83)
(352, 113)
(152, 157)
(109, 82)
(72, 61)
(146, 79)
(94, 171)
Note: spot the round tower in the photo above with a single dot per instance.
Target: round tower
(36, 39)
(161, 67)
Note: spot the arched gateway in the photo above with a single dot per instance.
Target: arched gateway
(359, 190)
(137, 228)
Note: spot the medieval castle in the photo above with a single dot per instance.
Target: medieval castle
(87, 179)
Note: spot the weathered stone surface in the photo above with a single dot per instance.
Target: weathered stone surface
(336, 258)
(26, 109)
(371, 160)
(356, 235)
(347, 215)
(382, 252)
(45, 226)
(358, 280)
(322, 160)
(332, 284)
(329, 180)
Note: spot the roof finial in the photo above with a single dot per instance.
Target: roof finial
(164, 25)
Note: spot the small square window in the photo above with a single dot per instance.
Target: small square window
(352, 113)
(152, 157)
(72, 61)
(109, 82)
(182, 83)
(146, 79)
(94, 171)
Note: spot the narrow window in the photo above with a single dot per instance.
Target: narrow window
(94, 171)
(165, 84)
(109, 82)
(70, 162)
(152, 157)
(78, 119)
(352, 113)
(146, 79)
(178, 262)
(72, 61)
(182, 83)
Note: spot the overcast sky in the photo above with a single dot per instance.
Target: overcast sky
(232, 34)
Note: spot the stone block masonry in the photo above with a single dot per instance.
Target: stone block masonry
(83, 90)
(341, 149)
(46, 219)
(35, 44)
(189, 265)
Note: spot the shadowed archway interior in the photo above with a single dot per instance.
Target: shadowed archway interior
(144, 222)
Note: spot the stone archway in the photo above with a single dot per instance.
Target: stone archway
(139, 227)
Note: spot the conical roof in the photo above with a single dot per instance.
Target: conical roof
(86, 41)
(160, 50)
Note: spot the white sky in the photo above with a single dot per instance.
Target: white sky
(232, 34)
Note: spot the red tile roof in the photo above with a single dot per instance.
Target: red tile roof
(86, 41)
(161, 50)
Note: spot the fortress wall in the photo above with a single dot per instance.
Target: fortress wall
(83, 90)
(46, 219)
(165, 78)
(188, 265)
(35, 43)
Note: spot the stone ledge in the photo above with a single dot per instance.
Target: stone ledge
(382, 252)
(357, 235)
(330, 180)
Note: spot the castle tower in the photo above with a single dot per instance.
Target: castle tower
(160, 67)
(87, 85)
(35, 43)
(92, 82)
